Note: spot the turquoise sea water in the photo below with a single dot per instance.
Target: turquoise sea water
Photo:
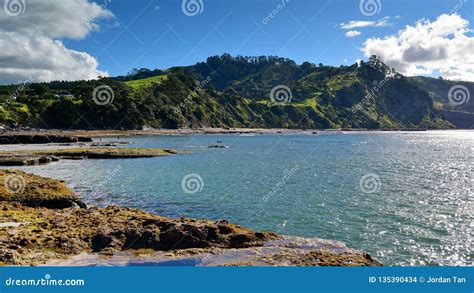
(404, 197)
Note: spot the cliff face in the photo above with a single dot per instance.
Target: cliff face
(454, 99)
(32, 234)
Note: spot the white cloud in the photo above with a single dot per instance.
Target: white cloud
(353, 33)
(39, 58)
(443, 46)
(31, 45)
(365, 23)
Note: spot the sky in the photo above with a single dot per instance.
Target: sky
(44, 40)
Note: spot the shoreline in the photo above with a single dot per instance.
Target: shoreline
(41, 157)
(45, 223)
(84, 135)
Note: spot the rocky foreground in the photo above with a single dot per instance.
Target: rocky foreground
(43, 222)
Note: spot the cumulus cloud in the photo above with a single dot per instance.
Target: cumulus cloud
(31, 44)
(365, 23)
(353, 33)
(39, 58)
(442, 46)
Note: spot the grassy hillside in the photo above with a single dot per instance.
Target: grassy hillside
(145, 82)
(230, 91)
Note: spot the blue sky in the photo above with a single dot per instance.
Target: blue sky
(70, 39)
(157, 34)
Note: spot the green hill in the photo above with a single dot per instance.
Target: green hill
(145, 82)
(460, 110)
(228, 91)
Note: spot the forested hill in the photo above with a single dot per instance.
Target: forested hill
(228, 91)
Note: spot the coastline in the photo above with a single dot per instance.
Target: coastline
(84, 135)
(41, 157)
(45, 223)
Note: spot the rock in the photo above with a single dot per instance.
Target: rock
(101, 241)
(37, 157)
(69, 231)
(45, 160)
(84, 139)
(40, 139)
(240, 240)
(58, 228)
(9, 256)
(36, 191)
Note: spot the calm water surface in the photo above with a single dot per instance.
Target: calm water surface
(406, 198)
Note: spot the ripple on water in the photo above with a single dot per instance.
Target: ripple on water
(422, 213)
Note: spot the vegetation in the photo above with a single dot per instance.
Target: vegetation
(228, 91)
(459, 111)
(144, 82)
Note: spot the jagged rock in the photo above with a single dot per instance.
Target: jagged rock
(36, 191)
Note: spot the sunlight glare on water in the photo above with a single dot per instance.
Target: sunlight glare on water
(416, 209)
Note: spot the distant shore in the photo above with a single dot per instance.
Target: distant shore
(188, 131)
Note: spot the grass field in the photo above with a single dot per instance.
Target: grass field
(140, 83)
